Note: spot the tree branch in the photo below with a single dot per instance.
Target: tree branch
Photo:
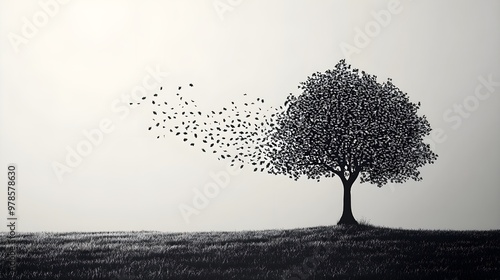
(336, 172)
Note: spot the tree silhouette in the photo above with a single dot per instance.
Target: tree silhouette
(346, 124)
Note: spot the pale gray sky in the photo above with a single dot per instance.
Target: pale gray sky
(65, 67)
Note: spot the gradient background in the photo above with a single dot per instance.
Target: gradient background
(65, 79)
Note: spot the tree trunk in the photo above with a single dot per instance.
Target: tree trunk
(347, 217)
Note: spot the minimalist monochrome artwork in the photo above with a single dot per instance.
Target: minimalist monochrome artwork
(250, 140)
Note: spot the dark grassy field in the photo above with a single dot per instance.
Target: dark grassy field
(315, 253)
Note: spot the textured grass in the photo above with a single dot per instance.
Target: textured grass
(338, 252)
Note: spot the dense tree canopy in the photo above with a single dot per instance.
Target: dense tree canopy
(345, 123)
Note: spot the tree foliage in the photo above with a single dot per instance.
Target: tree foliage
(346, 123)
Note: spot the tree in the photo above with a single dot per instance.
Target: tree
(346, 124)
(343, 124)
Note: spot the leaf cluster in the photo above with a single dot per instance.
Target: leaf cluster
(346, 123)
